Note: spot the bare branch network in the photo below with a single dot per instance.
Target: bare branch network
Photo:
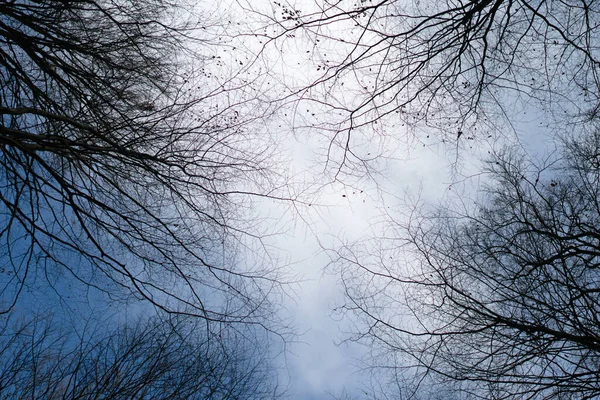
(126, 163)
(153, 358)
(129, 168)
(457, 67)
(498, 300)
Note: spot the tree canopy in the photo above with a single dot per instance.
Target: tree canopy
(150, 358)
(496, 300)
(123, 159)
(127, 168)
(459, 69)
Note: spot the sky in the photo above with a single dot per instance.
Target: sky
(334, 205)
(320, 363)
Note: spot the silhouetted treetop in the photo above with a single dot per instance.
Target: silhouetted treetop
(123, 160)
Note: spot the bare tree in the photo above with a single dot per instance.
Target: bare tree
(456, 66)
(155, 358)
(498, 300)
(125, 153)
